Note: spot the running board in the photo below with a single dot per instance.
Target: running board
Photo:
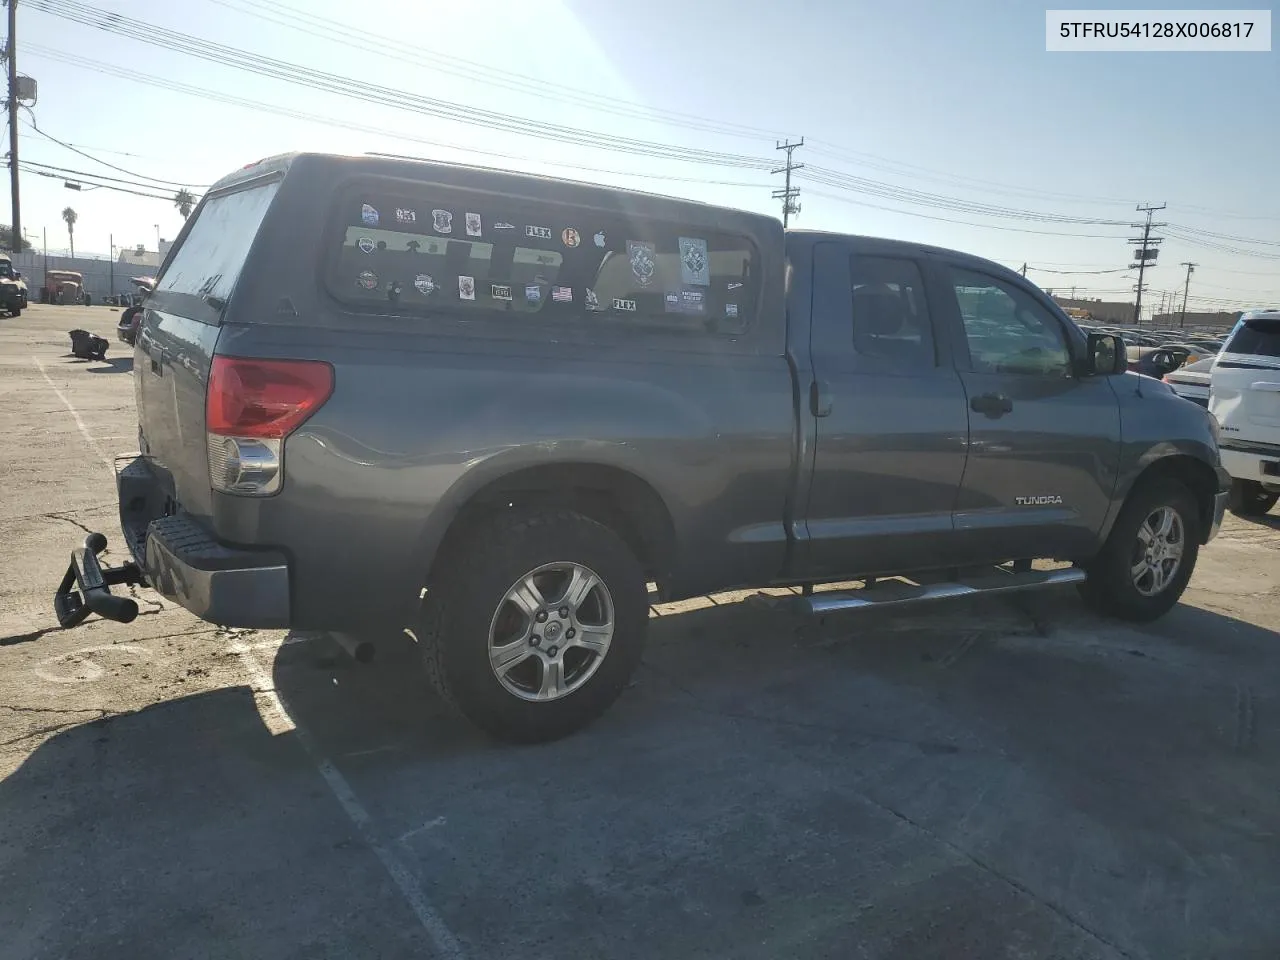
(889, 594)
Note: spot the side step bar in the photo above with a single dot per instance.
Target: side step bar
(885, 594)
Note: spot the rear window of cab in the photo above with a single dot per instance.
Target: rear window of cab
(436, 251)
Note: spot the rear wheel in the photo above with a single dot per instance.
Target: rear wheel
(1148, 560)
(1248, 498)
(537, 624)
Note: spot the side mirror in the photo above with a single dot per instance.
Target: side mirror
(1106, 355)
(17, 275)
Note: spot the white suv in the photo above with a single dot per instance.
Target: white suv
(1244, 394)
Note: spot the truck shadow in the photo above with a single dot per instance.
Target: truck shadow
(113, 365)
(188, 827)
(956, 768)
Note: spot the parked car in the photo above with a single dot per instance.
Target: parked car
(378, 393)
(127, 328)
(1245, 397)
(13, 289)
(1192, 381)
(1156, 361)
(62, 286)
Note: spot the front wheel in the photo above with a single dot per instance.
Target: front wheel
(536, 625)
(1248, 498)
(1147, 561)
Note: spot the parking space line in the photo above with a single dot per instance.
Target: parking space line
(442, 937)
(106, 461)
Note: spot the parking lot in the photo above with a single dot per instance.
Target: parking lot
(1000, 779)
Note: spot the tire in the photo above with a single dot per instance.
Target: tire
(467, 613)
(1248, 498)
(1114, 586)
(15, 311)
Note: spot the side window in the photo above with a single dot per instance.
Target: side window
(890, 317)
(1007, 330)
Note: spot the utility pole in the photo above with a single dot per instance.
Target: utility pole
(10, 55)
(1186, 287)
(111, 239)
(788, 193)
(1024, 269)
(1146, 253)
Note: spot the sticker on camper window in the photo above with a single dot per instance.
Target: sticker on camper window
(570, 237)
(533, 293)
(366, 245)
(442, 221)
(368, 280)
(562, 294)
(644, 262)
(592, 301)
(405, 215)
(538, 233)
(368, 215)
(503, 225)
(731, 310)
(473, 224)
(466, 288)
(599, 239)
(500, 291)
(424, 284)
(626, 306)
(693, 262)
(684, 301)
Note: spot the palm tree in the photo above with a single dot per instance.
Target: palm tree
(69, 215)
(184, 201)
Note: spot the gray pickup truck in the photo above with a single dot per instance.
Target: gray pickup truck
(502, 410)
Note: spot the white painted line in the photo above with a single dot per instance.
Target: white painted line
(446, 944)
(107, 461)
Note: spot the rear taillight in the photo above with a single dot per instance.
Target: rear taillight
(251, 406)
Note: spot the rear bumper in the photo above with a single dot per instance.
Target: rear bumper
(182, 561)
(1259, 462)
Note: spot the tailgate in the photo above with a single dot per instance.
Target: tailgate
(179, 332)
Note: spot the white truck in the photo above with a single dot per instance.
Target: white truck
(1244, 395)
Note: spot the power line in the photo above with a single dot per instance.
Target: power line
(31, 168)
(889, 191)
(87, 156)
(175, 86)
(222, 54)
(86, 175)
(344, 35)
(968, 223)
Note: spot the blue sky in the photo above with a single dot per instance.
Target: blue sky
(956, 100)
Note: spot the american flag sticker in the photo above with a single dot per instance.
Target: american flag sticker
(562, 294)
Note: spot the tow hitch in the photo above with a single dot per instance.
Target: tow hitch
(87, 586)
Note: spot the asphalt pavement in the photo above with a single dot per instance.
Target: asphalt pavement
(1013, 779)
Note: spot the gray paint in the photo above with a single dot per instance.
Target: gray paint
(426, 412)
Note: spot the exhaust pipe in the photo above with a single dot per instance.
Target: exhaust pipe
(361, 651)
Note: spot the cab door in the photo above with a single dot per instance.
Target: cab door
(889, 415)
(1044, 442)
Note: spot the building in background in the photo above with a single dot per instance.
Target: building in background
(102, 277)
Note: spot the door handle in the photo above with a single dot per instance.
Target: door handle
(820, 398)
(991, 404)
